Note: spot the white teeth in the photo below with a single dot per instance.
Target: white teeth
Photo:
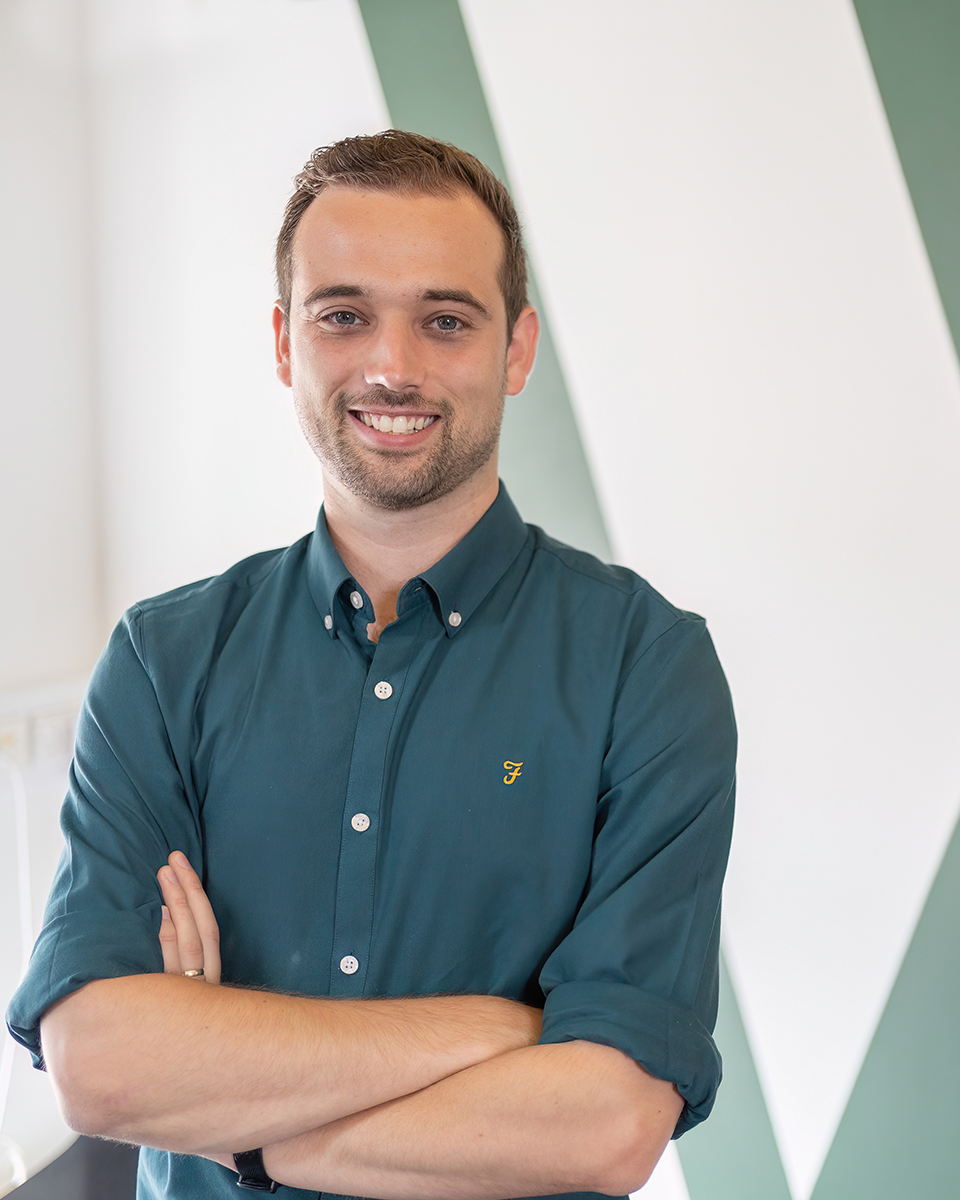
(399, 425)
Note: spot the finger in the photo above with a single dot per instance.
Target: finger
(203, 915)
(189, 942)
(168, 942)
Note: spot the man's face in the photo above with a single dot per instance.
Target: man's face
(397, 348)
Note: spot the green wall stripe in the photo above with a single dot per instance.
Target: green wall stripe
(431, 85)
(898, 1136)
(734, 1155)
(428, 74)
(914, 46)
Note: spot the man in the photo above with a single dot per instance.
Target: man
(459, 796)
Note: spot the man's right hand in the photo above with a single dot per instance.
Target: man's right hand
(189, 933)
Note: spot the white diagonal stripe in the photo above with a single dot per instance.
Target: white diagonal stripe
(770, 399)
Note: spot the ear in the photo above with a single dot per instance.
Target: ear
(522, 350)
(281, 339)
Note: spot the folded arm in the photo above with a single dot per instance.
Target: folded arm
(172, 1062)
(539, 1121)
(535, 1120)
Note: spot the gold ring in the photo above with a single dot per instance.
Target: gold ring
(193, 974)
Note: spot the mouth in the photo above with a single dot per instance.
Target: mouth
(401, 425)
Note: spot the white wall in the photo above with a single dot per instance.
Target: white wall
(203, 114)
(51, 615)
(148, 152)
(49, 541)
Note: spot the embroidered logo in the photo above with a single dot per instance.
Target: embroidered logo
(514, 769)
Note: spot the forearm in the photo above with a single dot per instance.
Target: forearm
(169, 1062)
(542, 1120)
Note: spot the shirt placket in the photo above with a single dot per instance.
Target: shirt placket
(383, 693)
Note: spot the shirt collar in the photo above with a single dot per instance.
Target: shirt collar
(459, 582)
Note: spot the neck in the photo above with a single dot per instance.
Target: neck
(382, 549)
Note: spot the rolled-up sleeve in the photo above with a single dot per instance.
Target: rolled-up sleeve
(125, 810)
(639, 970)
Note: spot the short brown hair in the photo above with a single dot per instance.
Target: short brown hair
(394, 161)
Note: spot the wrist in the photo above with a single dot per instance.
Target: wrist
(303, 1161)
(252, 1171)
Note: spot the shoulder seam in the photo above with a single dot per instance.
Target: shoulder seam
(685, 619)
(640, 583)
(222, 580)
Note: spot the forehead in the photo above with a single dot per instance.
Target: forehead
(368, 237)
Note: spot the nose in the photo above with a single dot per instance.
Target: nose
(395, 361)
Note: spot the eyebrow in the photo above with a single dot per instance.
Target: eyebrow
(336, 291)
(459, 297)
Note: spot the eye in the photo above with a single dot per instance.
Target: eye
(448, 324)
(343, 317)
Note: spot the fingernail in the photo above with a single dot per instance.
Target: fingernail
(164, 913)
(180, 859)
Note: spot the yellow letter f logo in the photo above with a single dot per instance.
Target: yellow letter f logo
(514, 769)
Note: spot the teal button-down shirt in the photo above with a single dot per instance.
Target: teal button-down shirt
(524, 789)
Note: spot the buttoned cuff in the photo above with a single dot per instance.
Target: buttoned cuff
(667, 1040)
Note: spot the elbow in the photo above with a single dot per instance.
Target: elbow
(633, 1139)
(81, 1113)
(86, 1109)
(78, 1062)
(625, 1167)
(78, 1098)
(623, 1179)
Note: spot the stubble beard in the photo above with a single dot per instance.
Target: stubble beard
(386, 478)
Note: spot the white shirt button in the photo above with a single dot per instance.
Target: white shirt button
(383, 690)
(349, 965)
(356, 600)
(360, 822)
(328, 622)
(454, 619)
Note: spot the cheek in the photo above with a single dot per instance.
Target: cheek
(476, 375)
(317, 358)
(316, 374)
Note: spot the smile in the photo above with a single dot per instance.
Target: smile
(386, 424)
